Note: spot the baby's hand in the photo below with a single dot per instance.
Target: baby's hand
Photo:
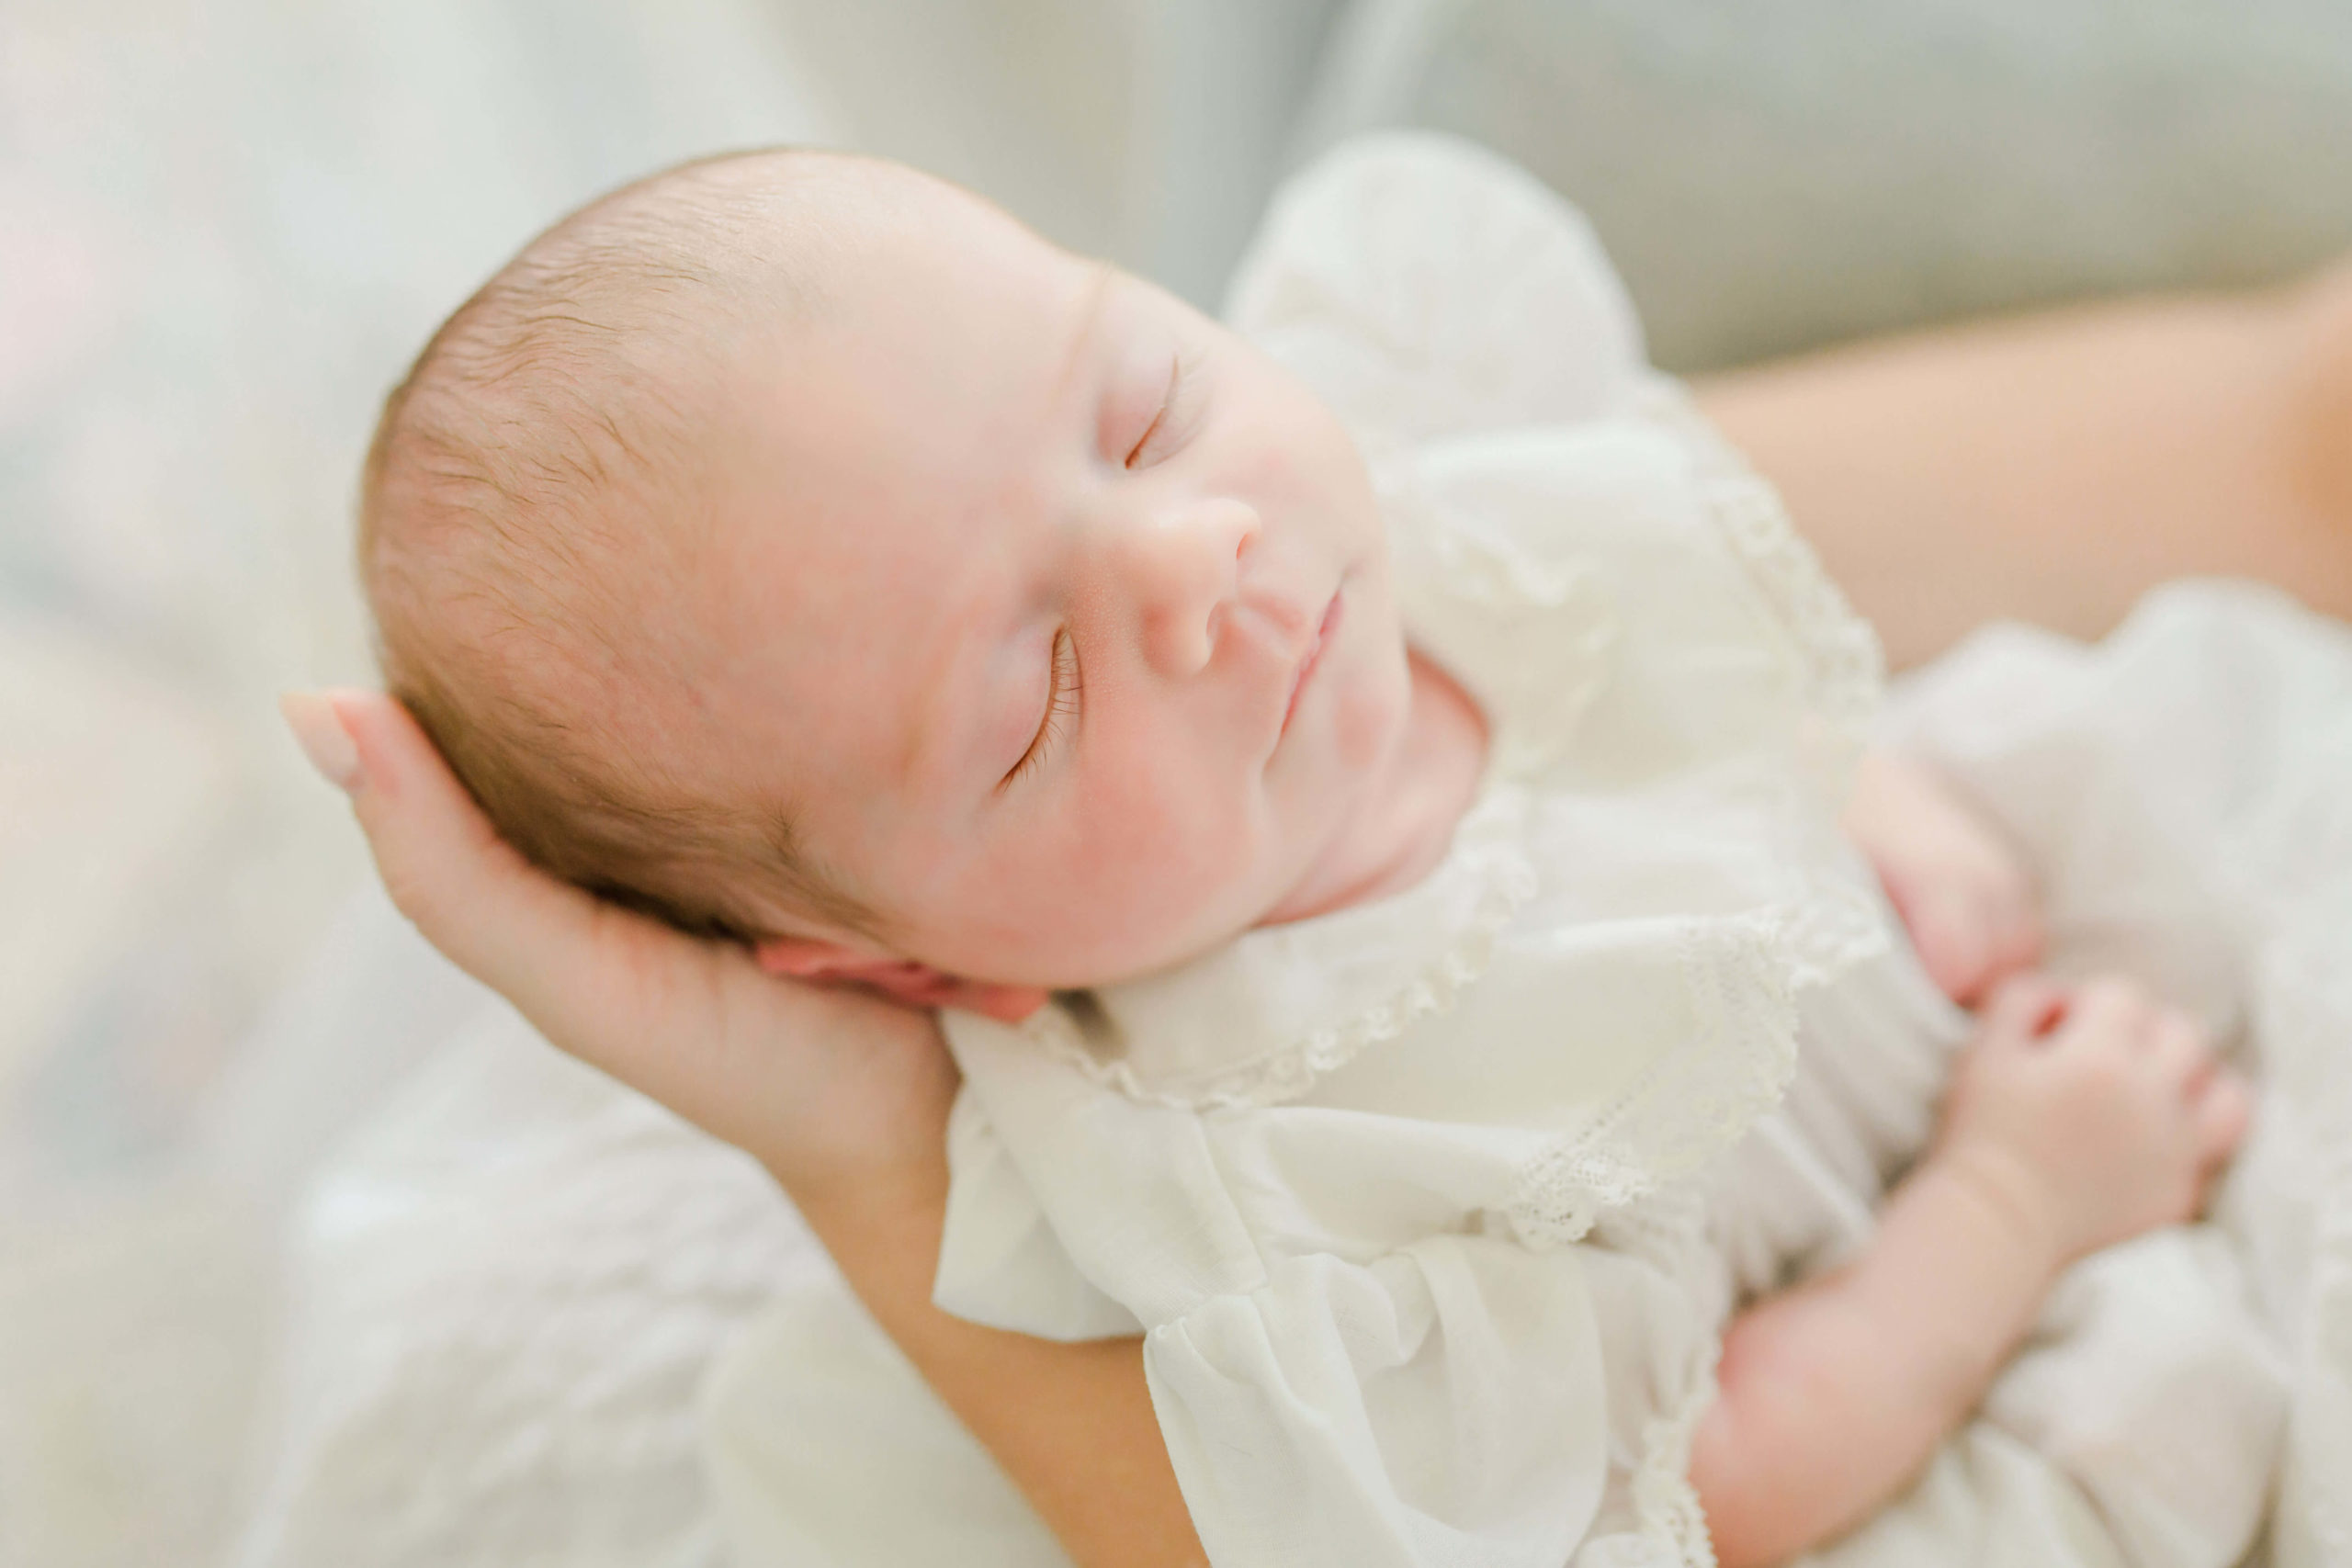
(1962, 892)
(2090, 1114)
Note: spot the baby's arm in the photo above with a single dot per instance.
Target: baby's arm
(2057, 1140)
(2076, 1120)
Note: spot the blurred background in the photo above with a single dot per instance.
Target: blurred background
(224, 227)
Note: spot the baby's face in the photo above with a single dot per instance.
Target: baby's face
(1061, 616)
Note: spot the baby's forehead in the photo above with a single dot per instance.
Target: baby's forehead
(869, 441)
(921, 400)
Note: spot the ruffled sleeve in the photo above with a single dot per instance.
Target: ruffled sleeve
(1444, 1403)
(1424, 287)
(1351, 1361)
(1571, 539)
(1000, 1261)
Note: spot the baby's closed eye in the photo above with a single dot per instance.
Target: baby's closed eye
(1061, 708)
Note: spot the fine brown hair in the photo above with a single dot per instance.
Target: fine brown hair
(530, 517)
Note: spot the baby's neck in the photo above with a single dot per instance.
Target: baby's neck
(1406, 824)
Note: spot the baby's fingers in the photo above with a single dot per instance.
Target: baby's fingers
(2022, 1009)
(2111, 1011)
(2180, 1051)
(1948, 929)
(2018, 937)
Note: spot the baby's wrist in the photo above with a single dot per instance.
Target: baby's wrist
(1967, 1250)
(2011, 1194)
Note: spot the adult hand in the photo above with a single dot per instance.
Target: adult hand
(823, 1086)
(843, 1098)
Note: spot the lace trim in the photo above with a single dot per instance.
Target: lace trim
(1669, 1231)
(1693, 1100)
(1845, 665)
(1664, 1499)
(1699, 1098)
(1743, 975)
(1836, 930)
(1668, 1526)
(1290, 1070)
(1546, 633)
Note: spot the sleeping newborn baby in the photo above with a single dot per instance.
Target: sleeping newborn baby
(1378, 797)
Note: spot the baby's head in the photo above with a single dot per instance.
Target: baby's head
(798, 546)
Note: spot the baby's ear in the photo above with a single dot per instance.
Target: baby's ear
(913, 985)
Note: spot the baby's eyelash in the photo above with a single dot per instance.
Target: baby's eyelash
(1061, 702)
(1164, 419)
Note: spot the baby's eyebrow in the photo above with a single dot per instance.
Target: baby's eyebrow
(1090, 322)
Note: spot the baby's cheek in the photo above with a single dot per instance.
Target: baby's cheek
(1371, 708)
(1164, 854)
(1174, 848)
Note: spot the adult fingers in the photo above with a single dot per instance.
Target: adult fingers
(577, 966)
(813, 1083)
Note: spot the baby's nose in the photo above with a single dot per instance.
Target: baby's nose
(1189, 569)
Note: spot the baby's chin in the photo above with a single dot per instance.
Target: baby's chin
(1083, 961)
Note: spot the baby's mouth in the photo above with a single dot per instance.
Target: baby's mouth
(1329, 624)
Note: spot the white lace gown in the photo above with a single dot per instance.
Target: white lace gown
(1430, 1212)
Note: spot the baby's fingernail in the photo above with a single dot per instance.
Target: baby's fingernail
(324, 739)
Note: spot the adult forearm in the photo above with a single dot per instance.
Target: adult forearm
(1834, 1394)
(1070, 1424)
(2054, 468)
